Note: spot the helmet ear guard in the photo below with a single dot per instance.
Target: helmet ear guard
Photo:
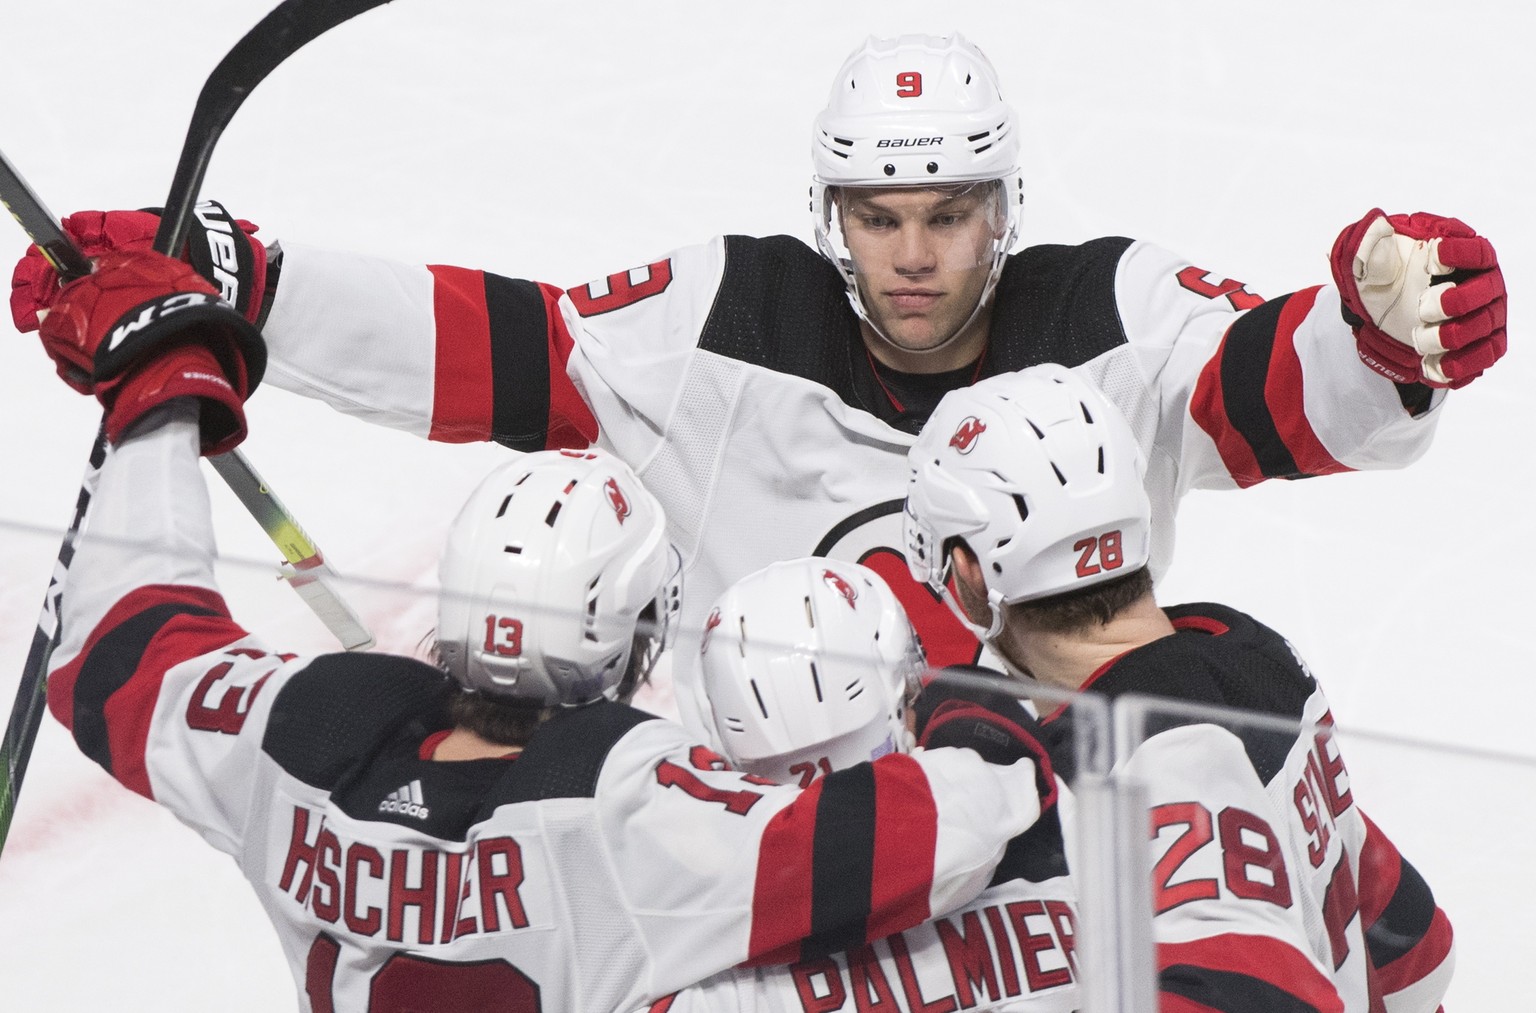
(1040, 476)
(547, 573)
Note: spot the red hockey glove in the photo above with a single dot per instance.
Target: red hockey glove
(220, 247)
(1424, 295)
(997, 729)
(144, 329)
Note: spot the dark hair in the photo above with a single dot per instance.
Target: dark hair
(512, 722)
(504, 722)
(1092, 606)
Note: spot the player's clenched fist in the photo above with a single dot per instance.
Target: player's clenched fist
(143, 329)
(222, 248)
(1424, 295)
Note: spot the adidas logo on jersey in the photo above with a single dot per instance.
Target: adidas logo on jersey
(407, 800)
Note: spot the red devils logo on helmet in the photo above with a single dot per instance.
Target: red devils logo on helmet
(836, 582)
(709, 625)
(966, 432)
(616, 499)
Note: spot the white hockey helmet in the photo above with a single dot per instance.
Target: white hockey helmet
(556, 570)
(809, 666)
(914, 111)
(1040, 476)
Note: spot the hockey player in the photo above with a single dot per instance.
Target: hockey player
(768, 395)
(505, 836)
(1273, 891)
(810, 667)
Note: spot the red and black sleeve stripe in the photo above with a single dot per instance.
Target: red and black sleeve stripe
(1406, 934)
(1250, 399)
(106, 696)
(501, 353)
(1233, 973)
(851, 860)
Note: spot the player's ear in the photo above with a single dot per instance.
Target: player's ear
(970, 584)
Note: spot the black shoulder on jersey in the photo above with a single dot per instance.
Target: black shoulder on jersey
(342, 708)
(1056, 304)
(567, 752)
(1246, 665)
(782, 306)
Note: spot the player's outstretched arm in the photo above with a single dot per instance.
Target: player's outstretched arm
(172, 365)
(445, 353)
(730, 868)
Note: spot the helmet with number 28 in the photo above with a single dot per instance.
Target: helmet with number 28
(1040, 476)
(559, 585)
(809, 665)
(916, 111)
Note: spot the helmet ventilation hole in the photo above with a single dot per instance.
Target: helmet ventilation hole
(816, 681)
(1059, 476)
(810, 613)
(549, 518)
(854, 689)
(504, 504)
(516, 550)
(756, 693)
(590, 633)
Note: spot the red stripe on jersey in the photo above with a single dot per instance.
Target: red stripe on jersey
(1380, 868)
(906, 836)
(571, 424)
(1262, 958)
(1380, 876)
(1209, 409)
(781, 897)
(130, 708)
(461, 379)
(1428, 953)
(1179, 1004)
(1283, 391)
(1203, 624)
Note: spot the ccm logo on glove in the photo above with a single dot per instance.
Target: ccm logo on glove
(155, 309)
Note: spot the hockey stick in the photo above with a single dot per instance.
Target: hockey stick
(277, 36)
(306, 568)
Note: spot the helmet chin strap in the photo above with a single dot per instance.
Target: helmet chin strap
(988, 634)
(858, 307)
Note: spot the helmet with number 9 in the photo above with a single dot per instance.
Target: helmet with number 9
(915, 111)
(1040, 476)
(556, 571)
(809, 666)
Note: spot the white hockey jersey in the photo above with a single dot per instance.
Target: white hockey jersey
(1011, 949)
(1271, 888)
(732, 378)
(613, 861)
